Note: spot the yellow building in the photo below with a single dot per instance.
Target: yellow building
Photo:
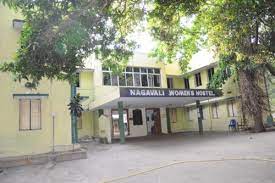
(157, 99)
(154, 114)
(27, 115)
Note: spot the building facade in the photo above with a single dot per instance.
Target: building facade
(151, 115)
(27, 115)
(156, 97)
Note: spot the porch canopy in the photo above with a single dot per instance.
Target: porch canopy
(158, 97)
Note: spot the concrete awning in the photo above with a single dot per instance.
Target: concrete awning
(30, 95)
(158, 97)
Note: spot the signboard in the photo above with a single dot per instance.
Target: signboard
(163, 92)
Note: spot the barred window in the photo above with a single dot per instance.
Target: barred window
(186, 83)
(215, 113)
(232, 108)
(198, 79)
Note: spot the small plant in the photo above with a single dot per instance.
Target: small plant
(75, 106)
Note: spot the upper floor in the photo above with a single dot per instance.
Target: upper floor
(102, 85)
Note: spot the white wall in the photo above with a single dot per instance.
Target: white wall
(137, 130)
(141, 130)
(163, 118)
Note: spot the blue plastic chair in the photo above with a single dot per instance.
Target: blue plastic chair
(233, 125)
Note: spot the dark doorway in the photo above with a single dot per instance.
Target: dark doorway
(153, 121)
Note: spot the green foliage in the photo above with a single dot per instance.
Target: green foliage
(59, 34)
(224, 71)
(245, 29)
(240, 33)
(75, 106)
(175, 41)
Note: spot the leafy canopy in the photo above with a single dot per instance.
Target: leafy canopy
(59, 34)
(240, 33)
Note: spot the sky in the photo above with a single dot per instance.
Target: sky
(146, 43)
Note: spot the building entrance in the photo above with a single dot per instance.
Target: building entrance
(153, 121)
(115, 128)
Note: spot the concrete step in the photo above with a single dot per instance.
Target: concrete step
(43, 158)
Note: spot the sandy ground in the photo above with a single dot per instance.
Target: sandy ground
(164, 159)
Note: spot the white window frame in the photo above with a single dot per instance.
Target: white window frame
(132, 72)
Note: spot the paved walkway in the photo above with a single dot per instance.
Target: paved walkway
(162, 159)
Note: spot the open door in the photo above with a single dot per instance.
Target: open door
(153, 121)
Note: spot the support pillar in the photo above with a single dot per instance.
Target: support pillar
(200, 117)
(168, 118)
(121, 122)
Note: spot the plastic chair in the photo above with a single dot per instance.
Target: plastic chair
(233, 125)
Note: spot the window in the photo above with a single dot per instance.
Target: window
(79, 122)
(106, 78)
(136, 79)
(170, 83)
(133, 76)
(156, 80)
(186, 83)
(210, 73)
(29, 114)
(144, 80)
(137, 117)
(114, 79)
(215, 114)
(151, 80)
(122, 80)
(173, 115)
(232, 108)
(129, 79)
(198, 79)
(77, 80)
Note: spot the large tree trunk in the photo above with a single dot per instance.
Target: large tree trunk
(253, 96)
(258, 122)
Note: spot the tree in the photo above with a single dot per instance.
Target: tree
(59, 34)
(241, 33)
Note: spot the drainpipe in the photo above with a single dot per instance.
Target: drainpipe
(73, 117)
